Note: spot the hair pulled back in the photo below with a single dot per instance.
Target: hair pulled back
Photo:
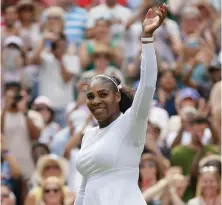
(127, 94)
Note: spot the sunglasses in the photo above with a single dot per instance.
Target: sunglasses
(52, 190)
(38, 109)
(54, 17)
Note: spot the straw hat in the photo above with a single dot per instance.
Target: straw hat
(23, 3)
(45, 160)
(55, 11)
(103, 49)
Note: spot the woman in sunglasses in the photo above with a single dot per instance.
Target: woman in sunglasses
(47, 166)
(53, 193)
(110, 153)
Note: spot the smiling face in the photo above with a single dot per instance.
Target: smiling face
(102, 99)
(209, 184)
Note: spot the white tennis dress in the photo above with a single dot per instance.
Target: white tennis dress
(109, 157)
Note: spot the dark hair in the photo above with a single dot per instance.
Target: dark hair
(12, 85)
(164, 72)
(7, 6)
(127, 94)
(54, 44)
(198, 120)
(39, 144)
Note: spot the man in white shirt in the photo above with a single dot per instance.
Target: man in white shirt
(56, 74)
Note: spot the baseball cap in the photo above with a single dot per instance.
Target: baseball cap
(14, 40)
(189, 93)
(43, 100)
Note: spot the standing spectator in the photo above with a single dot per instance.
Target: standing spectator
(44, 106)
(20, 134)
(10, 171)
(75, 21)
(10, 18)
(57, 71)
(13, 60)
(29, 28)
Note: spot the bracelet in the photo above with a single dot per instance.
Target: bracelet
(148, 39)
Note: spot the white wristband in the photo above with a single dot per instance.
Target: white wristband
(149, 39)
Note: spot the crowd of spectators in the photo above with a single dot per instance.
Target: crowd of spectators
(52, 48)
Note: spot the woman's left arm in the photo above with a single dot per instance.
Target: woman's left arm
(146, 88)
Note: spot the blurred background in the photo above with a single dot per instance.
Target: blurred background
(51, 48)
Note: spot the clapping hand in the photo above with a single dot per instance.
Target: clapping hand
(153, 21)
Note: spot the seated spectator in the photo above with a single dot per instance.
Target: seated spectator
(29, 28)
(209, 187)
(101, 36)
(53, 192)
(47, 166)
(7, 196)
(44, 106)
(185, 155)
(101, 57)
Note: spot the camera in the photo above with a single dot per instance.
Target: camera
(18, 97)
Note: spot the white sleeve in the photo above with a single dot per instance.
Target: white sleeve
(80, 196)
(148, 77)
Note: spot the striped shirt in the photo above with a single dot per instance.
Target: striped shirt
(75, 25)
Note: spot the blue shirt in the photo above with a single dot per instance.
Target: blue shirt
(75, 25)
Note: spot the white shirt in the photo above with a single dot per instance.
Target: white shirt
(109, 157)
(187, 137)
(51, 83)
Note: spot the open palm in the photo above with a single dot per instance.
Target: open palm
(153, 21)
